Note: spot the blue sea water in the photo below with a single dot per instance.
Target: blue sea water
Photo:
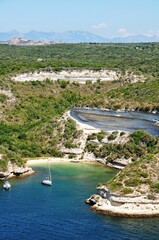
(32, 211)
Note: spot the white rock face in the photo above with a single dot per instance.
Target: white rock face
(124, 206)
(9, 94)
(72, 75)
(14, 171)
(78, 75)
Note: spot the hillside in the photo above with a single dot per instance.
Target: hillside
(140, 58)
(30, 112)
(141, 176)
(134, 191)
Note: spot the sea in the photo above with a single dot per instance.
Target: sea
(32, 211)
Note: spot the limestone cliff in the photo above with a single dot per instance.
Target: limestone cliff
(14, 171)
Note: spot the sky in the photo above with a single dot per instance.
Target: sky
(107, 18)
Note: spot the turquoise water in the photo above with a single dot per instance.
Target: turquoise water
(31, 210)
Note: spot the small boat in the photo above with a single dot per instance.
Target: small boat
(6, 185)
(47, 180)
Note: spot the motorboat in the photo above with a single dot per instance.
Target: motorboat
(6, 185)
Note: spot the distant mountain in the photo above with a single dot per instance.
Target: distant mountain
(35, 35)
(74, 37)
(70, 36)
(5, 36)
(135, 39)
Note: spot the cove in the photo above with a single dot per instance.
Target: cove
(33, 211)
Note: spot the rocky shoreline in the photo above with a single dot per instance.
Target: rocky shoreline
(123, 206)
(14, 171)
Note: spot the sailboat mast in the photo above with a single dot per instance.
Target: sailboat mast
(49, 172)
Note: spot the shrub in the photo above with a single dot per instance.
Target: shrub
(71, 155)
(127, 190)
(100, 135)
(114, 186)
(92, 136)
(91, 147)
(112, 136)
(70, 128)
(3, 164)
(69, 144)
(132, 182)
(122, 133)
(155, 187)
(62, 83)
(144, 174)
(3, 98)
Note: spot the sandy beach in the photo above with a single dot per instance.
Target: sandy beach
(47, 159)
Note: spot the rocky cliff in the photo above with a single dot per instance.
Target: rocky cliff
(80, 76)
(14, 171)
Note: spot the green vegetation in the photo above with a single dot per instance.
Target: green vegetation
(140, 144)
(140, 96)
(139, 57)
(100, 135)
(140, 176)
(143, 150)
(70, 134)
(3, 98)
(112, 136)
(126, 191)
(30, 126)
(155, 187)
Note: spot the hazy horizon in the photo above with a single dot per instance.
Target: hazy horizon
(108, 19)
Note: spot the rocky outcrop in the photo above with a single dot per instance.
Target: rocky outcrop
(14, 171)
(10, 97)
(80, 76)
(72, 75)
(123, 206)
(130, 77)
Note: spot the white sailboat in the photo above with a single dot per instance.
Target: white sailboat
(6, 185)
(48, 180)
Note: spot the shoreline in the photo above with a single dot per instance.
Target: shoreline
(123, 206)
(62, 160)
(125, 214)
(45, 160)
(131, 210)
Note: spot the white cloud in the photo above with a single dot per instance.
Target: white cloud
(100, 25)
(124, 32)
